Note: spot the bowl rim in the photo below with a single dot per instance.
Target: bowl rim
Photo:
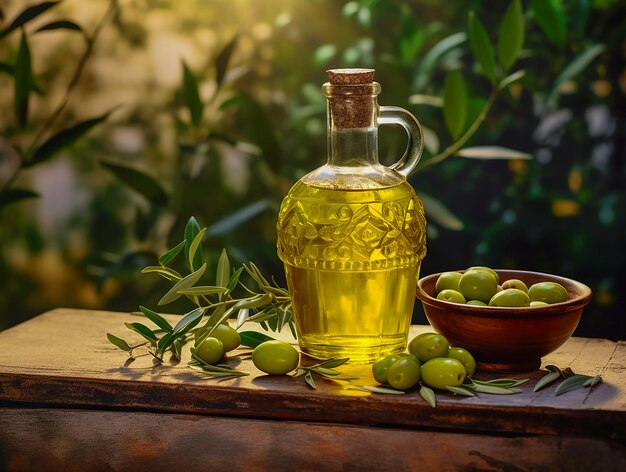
(582, 299)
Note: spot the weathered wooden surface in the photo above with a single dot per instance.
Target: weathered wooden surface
(63, 358)
(87, 440)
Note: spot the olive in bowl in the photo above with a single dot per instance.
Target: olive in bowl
(505, 338)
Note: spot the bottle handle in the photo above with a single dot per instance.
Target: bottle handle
(415, 145)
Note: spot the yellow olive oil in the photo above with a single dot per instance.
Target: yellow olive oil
(352, 258)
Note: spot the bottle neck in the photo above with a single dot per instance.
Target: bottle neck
(352, 125)
(352, 147)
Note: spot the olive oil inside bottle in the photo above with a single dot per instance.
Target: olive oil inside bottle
(352, 259)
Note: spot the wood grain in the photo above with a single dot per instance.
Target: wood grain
(63, 358)
(79, 440)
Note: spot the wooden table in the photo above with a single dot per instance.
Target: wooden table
(69, 400)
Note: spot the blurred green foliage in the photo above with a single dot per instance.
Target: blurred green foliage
(122, 149)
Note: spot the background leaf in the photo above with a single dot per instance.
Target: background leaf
(12, 195)
(454, 103)
(256, 126)
(23, 78)
(550, 17)
(142, 183)
(436, 210)
(511, 38)
(26, 15)
(580, 63)
(221, 63)
(227, 224)
(64, 138)
(492, 152)
(428, 63)
(481, 46)
(191, 95)
(61, 24)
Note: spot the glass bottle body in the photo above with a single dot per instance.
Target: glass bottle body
(352, 235)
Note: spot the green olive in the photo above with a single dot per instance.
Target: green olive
(515, 283)
(429, 346)
(275, 357)
(404, 373)
(450, 295)
(476, 303)
(229, 337)
(549, 292)
(511, 297)
(448, 280)
(477, 285)
(538, 303)
(463, 356)
(489, 270)
(211, 350)
(443, 372)
(379, 368)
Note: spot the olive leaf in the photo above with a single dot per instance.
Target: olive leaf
(373, 389)
(308, 377)
(186, 282)
(428, 395)
(214, 371)
(143, 330)
(188, 321)
(572, 383)
(156, 319)
(222, 276)
(192, 228)
(242, 317)
(119, 342)
(511, 38)
(253, 339)
(172, 253)
(196, 262)
(460, 391)
(428, 63)
(593, 381)
(511, 79)
(166, 272)
(203, 290)
(546, 380)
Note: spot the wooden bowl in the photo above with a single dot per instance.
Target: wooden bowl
(502, 338)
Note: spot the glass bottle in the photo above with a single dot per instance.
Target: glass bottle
(352, 233)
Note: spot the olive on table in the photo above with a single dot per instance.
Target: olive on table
(428, 346)
(443, 372)
(403, 373)
(211, 350)
(465, 358)
(275, 357)
(379, 368)
(228, 335)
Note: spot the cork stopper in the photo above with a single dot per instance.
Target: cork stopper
(351, 97)
(350, 76)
